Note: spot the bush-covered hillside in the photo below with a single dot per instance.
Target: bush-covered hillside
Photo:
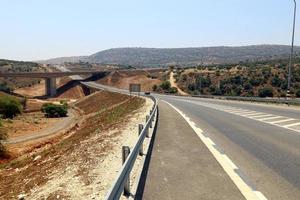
(7, 84)
(181, 56)
(264, 79)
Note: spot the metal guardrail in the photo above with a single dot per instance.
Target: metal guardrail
(121, 184)
(118, 186)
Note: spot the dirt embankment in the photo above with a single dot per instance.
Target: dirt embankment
(68, 89)
(82, 163)
(122, 79)
(100, 101)
(32, 91)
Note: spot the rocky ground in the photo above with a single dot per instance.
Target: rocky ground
(82, 163)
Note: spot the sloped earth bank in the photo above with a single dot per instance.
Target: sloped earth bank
(82, 166)
(122, 79)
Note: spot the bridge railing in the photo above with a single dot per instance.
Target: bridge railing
(118, 186)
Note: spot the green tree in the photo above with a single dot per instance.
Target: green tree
(53, 110)
(173, 90)
(3, 136)
(166, 85)
(10, 106)
(276, 81)
(265, 92)
(154, 87)
(298, 93)
(5, 88)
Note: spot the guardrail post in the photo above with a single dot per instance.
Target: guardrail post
(147, 130)
(153, 116)
(141, 126)
(125, 154)
(151, 120)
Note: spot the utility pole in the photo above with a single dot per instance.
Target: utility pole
(292, 52)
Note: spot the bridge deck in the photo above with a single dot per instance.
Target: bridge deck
(50, 74)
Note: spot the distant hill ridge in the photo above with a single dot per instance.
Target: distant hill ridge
(181, 56)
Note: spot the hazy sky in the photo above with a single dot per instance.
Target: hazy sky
(39, 29)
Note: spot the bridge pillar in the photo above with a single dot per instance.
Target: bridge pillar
(50, 87)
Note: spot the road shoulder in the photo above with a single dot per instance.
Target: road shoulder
(181, 167)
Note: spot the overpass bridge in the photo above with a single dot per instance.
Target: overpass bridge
(50, 77)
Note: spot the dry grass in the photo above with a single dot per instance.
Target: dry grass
(21, 175)
(100, 101)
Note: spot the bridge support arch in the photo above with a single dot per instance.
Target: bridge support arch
(50, 84)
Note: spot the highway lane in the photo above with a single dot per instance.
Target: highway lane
(268, 155)
(289, 111)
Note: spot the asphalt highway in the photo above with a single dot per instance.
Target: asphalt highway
(263, 141)
(260, 142)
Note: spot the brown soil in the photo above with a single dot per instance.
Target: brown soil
(76, 92)
(34, 105)
(100, 101)
(33, 91)
(72, 156)
(122, 79)
(27, 123)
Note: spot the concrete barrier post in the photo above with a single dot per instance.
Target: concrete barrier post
(50, 85)
(141, 126)
(125, 154)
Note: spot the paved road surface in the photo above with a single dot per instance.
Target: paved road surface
(262, 141)
(62, 124)
(181, 167)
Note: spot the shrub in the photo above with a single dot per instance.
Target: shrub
(173, 90)
(10, 106)
(276, 81)
(298, 93)
(202, 82)
(5, 88)
(248, 87)
(166, 85)
(214, 90)
(154, 87)
(3, 137)
(255, 81)
(53, 110)
(265, 92)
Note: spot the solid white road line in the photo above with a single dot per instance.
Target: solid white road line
(268, 118)
(228, 166)
(284, 120)
(244, 113)
(254, 114)
(233, 110)
(290, 125)
(266, 115)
